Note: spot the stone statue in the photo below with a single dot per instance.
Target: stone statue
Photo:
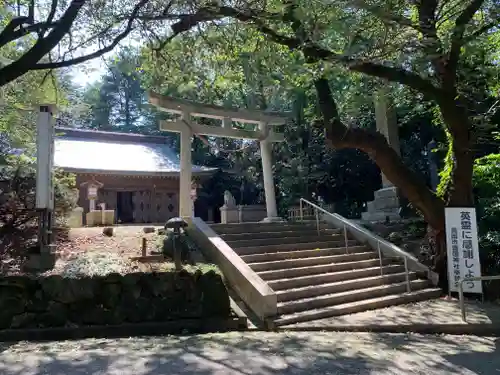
(229, 200)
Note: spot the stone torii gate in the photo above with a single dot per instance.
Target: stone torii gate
(187, 128)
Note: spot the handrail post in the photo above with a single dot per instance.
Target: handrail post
(461, 298)
(317, 220)
(355, 230)
(408, 286)
(380, 258)
(346, 241)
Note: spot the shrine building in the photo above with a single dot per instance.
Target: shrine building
(136, 176)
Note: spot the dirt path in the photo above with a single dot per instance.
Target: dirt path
(258, 353)
(126, 241)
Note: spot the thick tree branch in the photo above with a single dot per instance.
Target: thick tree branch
(457, 37)
(8, 33)
(386, 16)
(312, 51)
(50, 17)
(376, 146)
(43, 46)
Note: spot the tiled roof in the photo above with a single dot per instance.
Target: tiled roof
(79, 150)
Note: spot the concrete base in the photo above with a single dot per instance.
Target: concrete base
(384, 207)
(272, 220)
(380, 216)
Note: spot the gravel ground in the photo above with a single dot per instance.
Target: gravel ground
(258, 353)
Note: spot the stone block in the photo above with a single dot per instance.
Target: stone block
(370, 207)
(252, 213)
(387, 192)
(75, 219)
(380, 216)
(54, 301)
(108, 217)
(229, 215)
(386, 203)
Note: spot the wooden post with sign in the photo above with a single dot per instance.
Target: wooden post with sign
(44, 176)
(462, 249)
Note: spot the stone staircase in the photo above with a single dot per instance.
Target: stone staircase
(315, 275)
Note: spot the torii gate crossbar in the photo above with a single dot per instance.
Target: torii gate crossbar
(187, 128)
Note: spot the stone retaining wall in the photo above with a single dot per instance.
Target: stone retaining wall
(54, 301)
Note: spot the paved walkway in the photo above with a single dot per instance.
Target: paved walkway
(437, 311)
(258, 353)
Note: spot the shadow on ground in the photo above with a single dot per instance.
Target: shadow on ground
(257, 353)
(436, 311)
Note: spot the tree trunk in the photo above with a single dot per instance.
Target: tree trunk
(458, 124)
(375, 144)
(460, 189)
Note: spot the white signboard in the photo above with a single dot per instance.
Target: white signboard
(45, 159)
(92, 192)
(463, 249)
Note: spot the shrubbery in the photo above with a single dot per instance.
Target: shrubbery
(17, 203)
(487, 192)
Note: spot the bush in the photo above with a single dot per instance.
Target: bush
(17, 203)
(183, 242)
(486, 183)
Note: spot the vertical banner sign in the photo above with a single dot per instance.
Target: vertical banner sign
(44, 159)
(462, 249)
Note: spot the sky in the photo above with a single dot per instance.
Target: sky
(88, 72)
(92, 70)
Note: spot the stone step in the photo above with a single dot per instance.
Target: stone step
(264, 227)
(290, 233)
(252, 242)
(311, 261)
(247, 250)
(359, 306)
(341, 286)
(283, 255)
(327, 300)
(330, 277)
(315, 270)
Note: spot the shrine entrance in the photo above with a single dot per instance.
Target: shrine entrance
(124, 207)
(263, 123)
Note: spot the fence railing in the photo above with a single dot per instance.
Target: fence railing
(367, 236)
(308, 212)
(461, 290)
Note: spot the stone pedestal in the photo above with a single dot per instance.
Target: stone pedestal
(229, 211)
(229, 215)
(100, 217)
(75, 219)
(252, 213)
(385, 206)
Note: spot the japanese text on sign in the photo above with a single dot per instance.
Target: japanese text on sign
(463, 249)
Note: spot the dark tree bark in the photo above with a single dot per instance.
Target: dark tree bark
(50, 34)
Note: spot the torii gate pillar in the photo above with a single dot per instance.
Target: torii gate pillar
(267, 172)
(186, 208)
(187, 128)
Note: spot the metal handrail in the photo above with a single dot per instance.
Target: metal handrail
(461, 290)
(347, 223)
